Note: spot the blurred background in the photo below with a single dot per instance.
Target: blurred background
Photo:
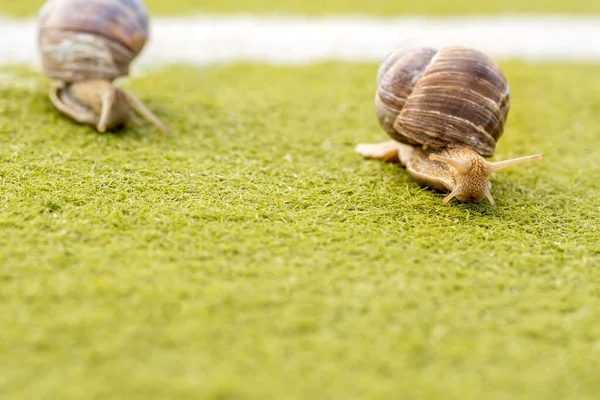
(215, 31)
(323, 7)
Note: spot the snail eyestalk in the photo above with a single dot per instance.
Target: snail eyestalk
(108, 100)
(145, 112)
(460, 166)
(496, 166)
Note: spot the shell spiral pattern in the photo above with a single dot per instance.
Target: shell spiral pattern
(86, 39)
(454, 97)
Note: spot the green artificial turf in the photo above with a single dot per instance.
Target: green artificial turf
(253, 255)
(323, 7)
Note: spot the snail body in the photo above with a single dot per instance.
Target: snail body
(91, 43)
(445, 111)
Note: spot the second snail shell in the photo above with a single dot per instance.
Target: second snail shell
(91, 39)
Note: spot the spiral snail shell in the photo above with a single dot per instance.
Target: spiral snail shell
(445, 110)
(85, 45)
(85, 39)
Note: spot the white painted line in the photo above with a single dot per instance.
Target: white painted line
(210, 39)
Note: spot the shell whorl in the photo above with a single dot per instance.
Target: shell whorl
(87, 39)
(454, 97)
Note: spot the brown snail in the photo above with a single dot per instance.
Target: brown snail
(445, 111)
(85, 45)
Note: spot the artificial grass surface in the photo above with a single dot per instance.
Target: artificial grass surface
(323, 7)
(252, 255)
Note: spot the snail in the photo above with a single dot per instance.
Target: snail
(85, 45)
(445, 111)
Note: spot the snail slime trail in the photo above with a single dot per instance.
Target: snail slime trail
(445, 110)
(85, 46)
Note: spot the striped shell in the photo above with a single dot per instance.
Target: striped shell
(86, 39)
(454, 97)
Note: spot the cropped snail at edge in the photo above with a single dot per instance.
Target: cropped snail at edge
(445, 110)
(85, 45)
